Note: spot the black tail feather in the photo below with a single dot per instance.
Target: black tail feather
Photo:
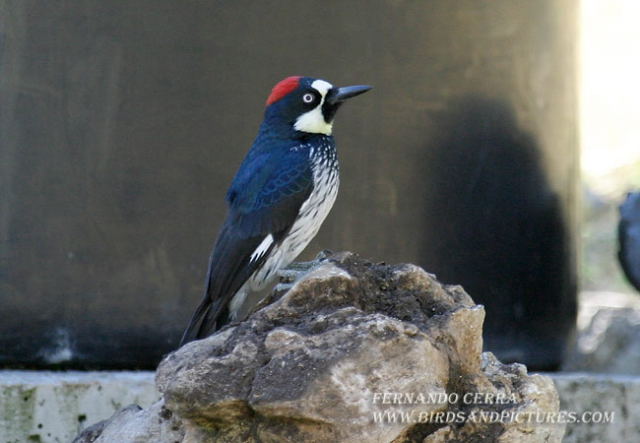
(230, 265)
(194, 329)
(208, 318)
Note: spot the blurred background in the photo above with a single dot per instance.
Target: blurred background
(609, 320)
(494, 151)
(609, 133)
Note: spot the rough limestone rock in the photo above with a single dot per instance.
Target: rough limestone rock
(134, 424)
(351, 351)
(609, 344)
(608, 339)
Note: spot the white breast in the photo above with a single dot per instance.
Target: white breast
(312, 213)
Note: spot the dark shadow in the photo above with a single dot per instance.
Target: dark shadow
(496, 227)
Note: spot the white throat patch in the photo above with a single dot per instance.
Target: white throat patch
(313, 121)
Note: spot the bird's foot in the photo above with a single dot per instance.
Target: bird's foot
(287, 276)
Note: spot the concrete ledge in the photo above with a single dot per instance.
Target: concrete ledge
(52, 407)
(585, 392)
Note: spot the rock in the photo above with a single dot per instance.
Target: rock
(608, 343)
(608, 334)
(134, 424)
(352, 351)
(534, 395)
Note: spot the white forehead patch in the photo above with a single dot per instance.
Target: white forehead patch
(322, 87)
(313, 121)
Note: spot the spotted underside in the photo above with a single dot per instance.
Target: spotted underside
(312, 213)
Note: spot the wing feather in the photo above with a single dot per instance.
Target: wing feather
(265, 202)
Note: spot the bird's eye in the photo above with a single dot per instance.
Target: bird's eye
(308, 98)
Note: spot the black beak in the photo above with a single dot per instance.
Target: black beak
(338, 95)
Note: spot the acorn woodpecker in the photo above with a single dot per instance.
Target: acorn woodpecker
(278, 199)
(629, 238)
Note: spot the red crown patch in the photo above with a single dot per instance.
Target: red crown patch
(283, 88)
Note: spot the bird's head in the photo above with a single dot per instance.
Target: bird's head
(306, 104)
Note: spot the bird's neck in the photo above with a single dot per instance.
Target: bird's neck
(284, 133)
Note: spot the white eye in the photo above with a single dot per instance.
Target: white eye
(308, 97)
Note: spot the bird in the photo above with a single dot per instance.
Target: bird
(277, 200)
(629, 238)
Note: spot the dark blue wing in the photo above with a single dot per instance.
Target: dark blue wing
(264, 199)
(266, 196)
